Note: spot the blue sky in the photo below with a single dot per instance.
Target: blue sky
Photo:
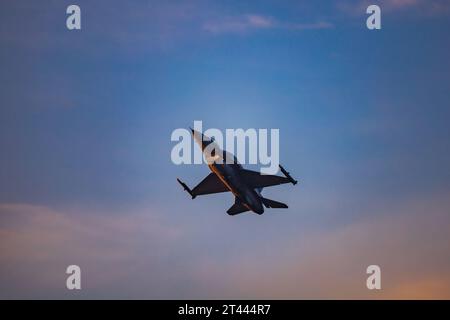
(85, 171)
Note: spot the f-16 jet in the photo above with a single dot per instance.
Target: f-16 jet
(230, 176)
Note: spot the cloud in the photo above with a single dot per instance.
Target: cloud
(418, 7)
(400, 3)
(253, 22)
(408, 241)
(310, 26)
(139, 254)
(239, 24)
(130, 27)
(38, 243)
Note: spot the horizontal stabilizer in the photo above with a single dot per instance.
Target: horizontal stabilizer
(237, 208)
(273, 204)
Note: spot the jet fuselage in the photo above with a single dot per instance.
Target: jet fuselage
(229, 174)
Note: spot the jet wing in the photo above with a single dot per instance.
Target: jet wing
(211, 184)
(258, 180)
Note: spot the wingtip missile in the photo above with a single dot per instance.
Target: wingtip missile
(288, 176)
(186, 188)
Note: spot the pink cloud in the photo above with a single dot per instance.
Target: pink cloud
(400, 3)
(254, 22)
(38, 243)
(139, 254)
(419, 7)
(259, 21)
(310, 26)
(238, 24)
(408, 241)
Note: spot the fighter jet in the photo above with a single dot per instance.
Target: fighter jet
(230, 176)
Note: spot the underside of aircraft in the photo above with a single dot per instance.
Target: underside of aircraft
(213, 184)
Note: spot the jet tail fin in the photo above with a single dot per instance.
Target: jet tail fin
(272, 203)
